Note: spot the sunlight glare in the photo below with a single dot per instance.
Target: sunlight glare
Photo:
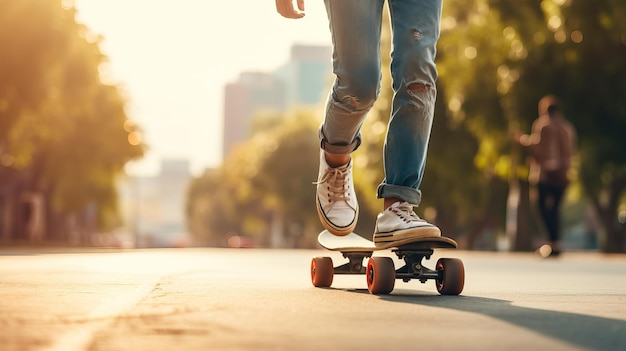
(105, 73)
(577, 36)
(134, 138)
(503, 71)
(130, 126)
(554, 23)
(7, 160)
(67, 4)
(503, 87)
(448, 23)
(430, 214)
(471, 52)
(560, 37)
(518, 51)
(378, 128)
(517, 46)
(509, 33)
(455, 104)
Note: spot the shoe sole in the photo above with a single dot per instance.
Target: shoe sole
(418, 232)
(328, 225)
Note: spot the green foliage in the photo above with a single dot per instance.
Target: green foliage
(62, 130)
(498, 58)
(264, 180)
(291, 164)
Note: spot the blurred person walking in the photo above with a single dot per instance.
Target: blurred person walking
(551, 145)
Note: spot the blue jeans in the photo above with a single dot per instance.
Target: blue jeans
(355, 26)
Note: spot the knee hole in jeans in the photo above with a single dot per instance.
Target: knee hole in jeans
(419, 87)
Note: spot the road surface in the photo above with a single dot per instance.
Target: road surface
(228, 299)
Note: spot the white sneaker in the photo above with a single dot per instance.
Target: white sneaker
(337, 205)
(399, 221)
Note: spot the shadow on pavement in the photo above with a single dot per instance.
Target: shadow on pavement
(577, 329)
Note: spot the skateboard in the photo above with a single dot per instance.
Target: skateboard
(380, 271)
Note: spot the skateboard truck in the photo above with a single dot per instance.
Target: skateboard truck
(413, 268)
(355, 264)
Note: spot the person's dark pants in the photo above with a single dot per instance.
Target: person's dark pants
(550, 197)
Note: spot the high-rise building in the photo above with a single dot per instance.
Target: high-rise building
(303, 81)
(252, 92)
(307, 76)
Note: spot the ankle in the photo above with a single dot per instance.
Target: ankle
(337, 160)
(387, 202)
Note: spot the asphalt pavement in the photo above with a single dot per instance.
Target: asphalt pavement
(256, 299)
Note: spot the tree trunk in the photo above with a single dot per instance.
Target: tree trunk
(519, 217)
(615, 231)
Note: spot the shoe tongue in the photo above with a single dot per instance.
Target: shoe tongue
(399, 204)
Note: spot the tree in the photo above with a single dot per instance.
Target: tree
(264, 182)
(501, 57)
(478, 59)
(287, 173)
(63, 132)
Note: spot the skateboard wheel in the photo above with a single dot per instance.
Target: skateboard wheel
(381, 275)
(322, 272)
(452, 276)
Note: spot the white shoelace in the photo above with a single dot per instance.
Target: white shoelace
(405, 211)
(335, 178)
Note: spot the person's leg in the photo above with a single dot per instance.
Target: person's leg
(544, 207)
(549, 213)
(415, 27)
(355, 30)
(555, 235)
(416, 31)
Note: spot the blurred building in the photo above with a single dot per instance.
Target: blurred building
(253, 91)
(303, 81)
(154, 206)
(307, 76)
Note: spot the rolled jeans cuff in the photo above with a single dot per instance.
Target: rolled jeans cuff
(339, 149)
(410, 195)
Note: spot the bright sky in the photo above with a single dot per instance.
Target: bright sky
(173, 58)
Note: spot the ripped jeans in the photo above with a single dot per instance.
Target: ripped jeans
(355, 26)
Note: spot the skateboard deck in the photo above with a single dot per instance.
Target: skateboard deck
(449, 273)
(355, 243)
